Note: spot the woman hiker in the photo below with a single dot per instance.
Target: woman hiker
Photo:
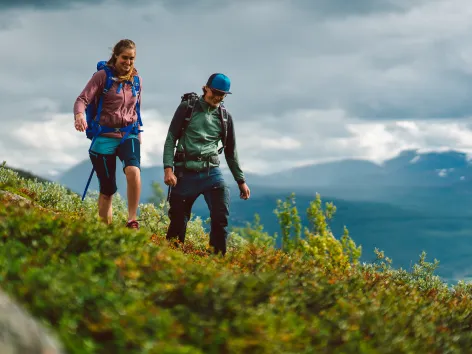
(117, 116)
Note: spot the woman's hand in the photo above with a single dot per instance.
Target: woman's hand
(80, 123)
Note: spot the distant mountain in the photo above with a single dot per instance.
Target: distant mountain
(428, 169)
(326, 174)
(27, 175)
(410, 168)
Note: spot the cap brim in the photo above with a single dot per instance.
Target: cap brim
(222, 92)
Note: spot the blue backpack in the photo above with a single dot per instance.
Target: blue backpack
(93, 111)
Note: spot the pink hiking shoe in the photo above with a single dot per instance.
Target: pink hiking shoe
(133, 224)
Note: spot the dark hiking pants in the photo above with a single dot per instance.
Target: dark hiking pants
(190, 184)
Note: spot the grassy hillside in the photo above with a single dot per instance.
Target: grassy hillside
(113, 290)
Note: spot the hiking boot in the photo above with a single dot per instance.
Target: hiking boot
(132, 224)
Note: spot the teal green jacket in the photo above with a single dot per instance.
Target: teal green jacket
(201, 139)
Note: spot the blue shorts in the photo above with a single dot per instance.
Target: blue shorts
(104, 164)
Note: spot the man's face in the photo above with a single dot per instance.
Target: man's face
(213, 97)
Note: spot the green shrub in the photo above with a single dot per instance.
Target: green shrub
(254, 233)
(318, 242)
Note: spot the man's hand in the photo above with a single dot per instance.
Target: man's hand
(169, 177)
(80, 124)
(245, 193)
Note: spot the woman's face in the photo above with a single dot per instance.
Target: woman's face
(125, 60)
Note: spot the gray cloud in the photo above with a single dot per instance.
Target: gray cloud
(42, 4)
(314, 66)
(320, 8)
(352, 8)
(374, 61)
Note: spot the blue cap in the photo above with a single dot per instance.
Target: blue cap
(219, 82)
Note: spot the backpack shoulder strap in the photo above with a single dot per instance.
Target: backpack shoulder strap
(109, 80)
(224, 126)
(136, 87)
(191, 98)
(108, 83)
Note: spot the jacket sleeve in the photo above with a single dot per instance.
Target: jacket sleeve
(172, 134)
(90, 91)
(231, 154)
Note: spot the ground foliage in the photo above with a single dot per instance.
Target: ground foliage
(107, 289)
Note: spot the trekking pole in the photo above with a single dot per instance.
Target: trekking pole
(88, 182)
(168, 193)
(167, 205)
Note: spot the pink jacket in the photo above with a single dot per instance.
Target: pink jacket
(118, 109)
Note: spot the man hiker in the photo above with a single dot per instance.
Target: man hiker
(199, 124)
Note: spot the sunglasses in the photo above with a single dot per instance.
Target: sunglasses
(217, 92)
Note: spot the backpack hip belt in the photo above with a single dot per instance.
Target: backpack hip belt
(181, 157)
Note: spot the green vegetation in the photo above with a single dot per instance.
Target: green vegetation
(107, 289)
(157, 195)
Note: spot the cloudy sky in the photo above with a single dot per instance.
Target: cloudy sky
(312, 80)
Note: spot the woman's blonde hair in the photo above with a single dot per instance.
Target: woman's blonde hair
(117, 50)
